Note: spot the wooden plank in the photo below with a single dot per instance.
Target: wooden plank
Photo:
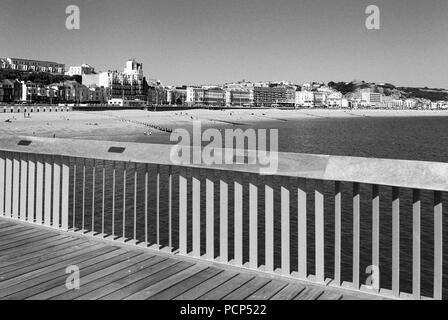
(45, 256)
(86, 267)
(289, 292)
(61, 292)
(356, 234)
(302, 229)
(416, 242)
(268, 291)
(167, 282)
(24, 240)
(23, 274)
(309, 293)
(148, 281)
(11, 230)
(171, 292)
(330, 295)
(104, 289)
(54, 279)
(41, 245)
(249, 288)
(206, 286)
(226, 288)
(438, 245)
(33, 256)
(396, 241)
(269, 224)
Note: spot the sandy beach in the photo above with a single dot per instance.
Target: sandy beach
(144, 126)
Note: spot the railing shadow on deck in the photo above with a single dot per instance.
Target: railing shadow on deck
(324, 219)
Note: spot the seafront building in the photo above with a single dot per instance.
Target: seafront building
(80, 70)
(32, 65)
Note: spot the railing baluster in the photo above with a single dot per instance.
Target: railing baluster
(376, 230)
(183, 211)
(196, 208)
(238, 240)
(23, 184)
(416, 243)
(396, 241)
(253, 222)
(16, 186)
(31, 190)
(8, 185)
(135, 202)
(74, 193)
(158, 206)
(285, 226)
(83, 195)
(114, 182)
(210, 217)
(438, 245)
(103, 197)
(337, 233)
(56, 192)
(302, 229)
(123, 233)
(64, 193)
(319, 231)
(269, 224)
(170, 208)
(223, 218)
(2, 183)
(356, 233)
(93, 195)
(47, 192)
(146, 203)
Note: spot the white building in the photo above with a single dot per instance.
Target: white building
(304, 99)
(33, 65)
(80, 70)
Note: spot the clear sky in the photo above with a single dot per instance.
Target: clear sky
(210, 41)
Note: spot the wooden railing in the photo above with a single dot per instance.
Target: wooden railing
(231, 214)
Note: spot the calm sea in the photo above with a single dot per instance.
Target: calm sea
(411, 138)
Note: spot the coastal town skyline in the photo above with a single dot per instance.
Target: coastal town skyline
(244, 41)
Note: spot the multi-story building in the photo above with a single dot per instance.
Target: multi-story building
(80, 70)
(129, 84)
(269, 96)
(33, 65)
(176, 96)
(239, 97)
(213, 96)
(304, 98)
(6, 91)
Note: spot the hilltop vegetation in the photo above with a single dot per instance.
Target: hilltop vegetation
(388, 89)
(36, 77)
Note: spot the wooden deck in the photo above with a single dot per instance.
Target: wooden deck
(33, 262)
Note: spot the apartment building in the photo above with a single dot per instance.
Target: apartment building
(32, 65)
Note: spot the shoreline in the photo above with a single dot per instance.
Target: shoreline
(155, 127)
